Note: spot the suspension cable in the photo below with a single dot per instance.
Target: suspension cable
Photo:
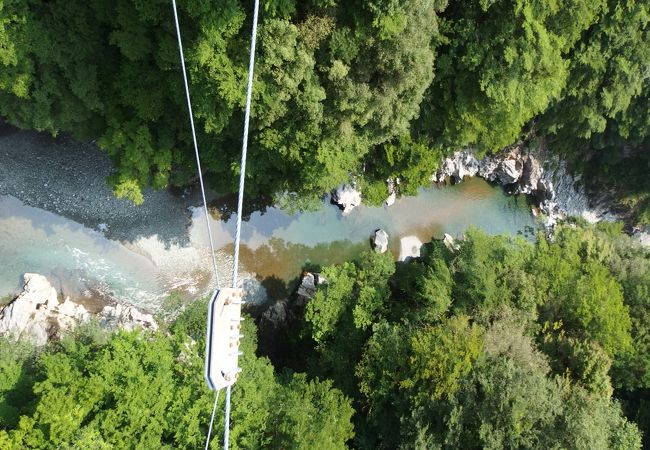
(196, 147)
(226, 420)
(244, 150)
(240, 198)
(214, 408)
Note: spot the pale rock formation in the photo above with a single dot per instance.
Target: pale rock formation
(380, 241)
(37, 313)
(346, 197)
(409, 248)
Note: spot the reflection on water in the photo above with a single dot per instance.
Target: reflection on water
(279, 244)
(276, 246)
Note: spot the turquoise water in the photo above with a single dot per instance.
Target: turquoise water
(279, 244)
(83, 262)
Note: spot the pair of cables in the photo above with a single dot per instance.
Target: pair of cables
(240, 198)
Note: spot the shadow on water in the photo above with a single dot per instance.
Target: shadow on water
(166, 235)
(68, 178)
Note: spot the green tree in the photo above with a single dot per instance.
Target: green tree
(502, 64)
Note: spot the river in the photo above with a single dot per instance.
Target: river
(95, 246)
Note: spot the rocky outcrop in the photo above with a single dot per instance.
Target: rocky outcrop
(460, 165)
(380, 241)
(307, 287)
(409, 247)
(38, 314)
(554, 191)
(126, 317)
(346, 197)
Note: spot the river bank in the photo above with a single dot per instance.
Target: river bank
(58, 218)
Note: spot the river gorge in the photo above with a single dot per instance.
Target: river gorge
(58, 218)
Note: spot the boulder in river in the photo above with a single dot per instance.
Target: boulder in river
(346, 197)
(380, 241)
(409, 247)
(37, 313)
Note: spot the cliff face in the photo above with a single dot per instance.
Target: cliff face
(553, 190)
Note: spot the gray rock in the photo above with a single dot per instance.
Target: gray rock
(380, 241)
(126, 317)
(392, 192)
(466, 165)
(487, 168)
(642, 236)
(510, 170)
(307, 287)
(532, 175)
(27, 317)
(460, 165)
(346, 197)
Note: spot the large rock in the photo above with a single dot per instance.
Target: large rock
(450, 243)
(380, 241)
(510, 170)
(458, 166)
(307, 286)
(37, 314)
(467, 165)
(346, 198)
(409, 247)
(487, 168)
(531, 179)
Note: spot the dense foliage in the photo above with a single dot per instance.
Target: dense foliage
(146, 391)
(499, 344)
(375, 89)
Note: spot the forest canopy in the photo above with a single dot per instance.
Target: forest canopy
(370, 89)
(498, 343)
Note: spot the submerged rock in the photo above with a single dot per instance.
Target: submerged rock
(346, 197)
(37, 314)
(380, 241)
